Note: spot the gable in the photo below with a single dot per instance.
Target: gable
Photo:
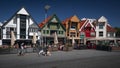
(54, 19)
(62, 27)
(102, 19)
(23, 11)
(11, 22)
(50, 19)
(87, 23)
(74, 19)
(34, 25)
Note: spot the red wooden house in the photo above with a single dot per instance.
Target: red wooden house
(87, 29)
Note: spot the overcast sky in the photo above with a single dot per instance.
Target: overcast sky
(64, 9)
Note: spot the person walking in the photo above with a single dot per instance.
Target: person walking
(21, 49)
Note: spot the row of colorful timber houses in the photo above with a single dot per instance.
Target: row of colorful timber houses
(82, 30)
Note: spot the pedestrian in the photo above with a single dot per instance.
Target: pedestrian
(21, 49)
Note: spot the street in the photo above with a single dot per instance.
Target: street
(62, 59)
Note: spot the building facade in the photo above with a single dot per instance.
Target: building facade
(48, 28)
(101, 25)
(104, 33)
(82, 30)
(1, 33)
(22, 24)
(72, 26)
(87, 29)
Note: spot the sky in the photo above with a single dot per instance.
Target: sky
(93, 9)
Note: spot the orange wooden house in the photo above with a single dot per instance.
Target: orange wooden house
(72, 25)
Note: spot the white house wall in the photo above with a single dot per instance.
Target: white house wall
(27, 26)
(10, 24)
(103, 30)
(30, 22)
(4, 33)
(110, 34)
(18, 28)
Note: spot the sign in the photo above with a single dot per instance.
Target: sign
(82, 36)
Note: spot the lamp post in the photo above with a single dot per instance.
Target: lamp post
(39, 35)
(46, 8)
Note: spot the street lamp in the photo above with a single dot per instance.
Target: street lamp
(39, 37)
(46, 8)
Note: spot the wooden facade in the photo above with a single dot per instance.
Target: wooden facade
(72, 26)
(87, 29)
(48, 28)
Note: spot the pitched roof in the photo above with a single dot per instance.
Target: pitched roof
(44, 22)
(64, 22)
(94, 24)
(87, 23)
(1, 23)
(71, 18)
(82, 22)
(20, 11)
(110, 29)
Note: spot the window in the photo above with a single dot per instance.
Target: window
(53, 26)
(73, 26)
(15, 29)
(101, 25)
(23, 16)
(68, 34)
(82, 35)
(101, 34)
(52, 32)
(43, 31)
(23, 26)
(47, 31)
(15, 20)
(8, 36)
(72, 34)
(60, 32)
(92, 34)
(110, 34)
(8, 28)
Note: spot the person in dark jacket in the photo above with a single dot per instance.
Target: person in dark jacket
(21, 48)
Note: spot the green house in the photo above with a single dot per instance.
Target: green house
(48, 28)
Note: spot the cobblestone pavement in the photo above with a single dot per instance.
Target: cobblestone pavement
(62, 59)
